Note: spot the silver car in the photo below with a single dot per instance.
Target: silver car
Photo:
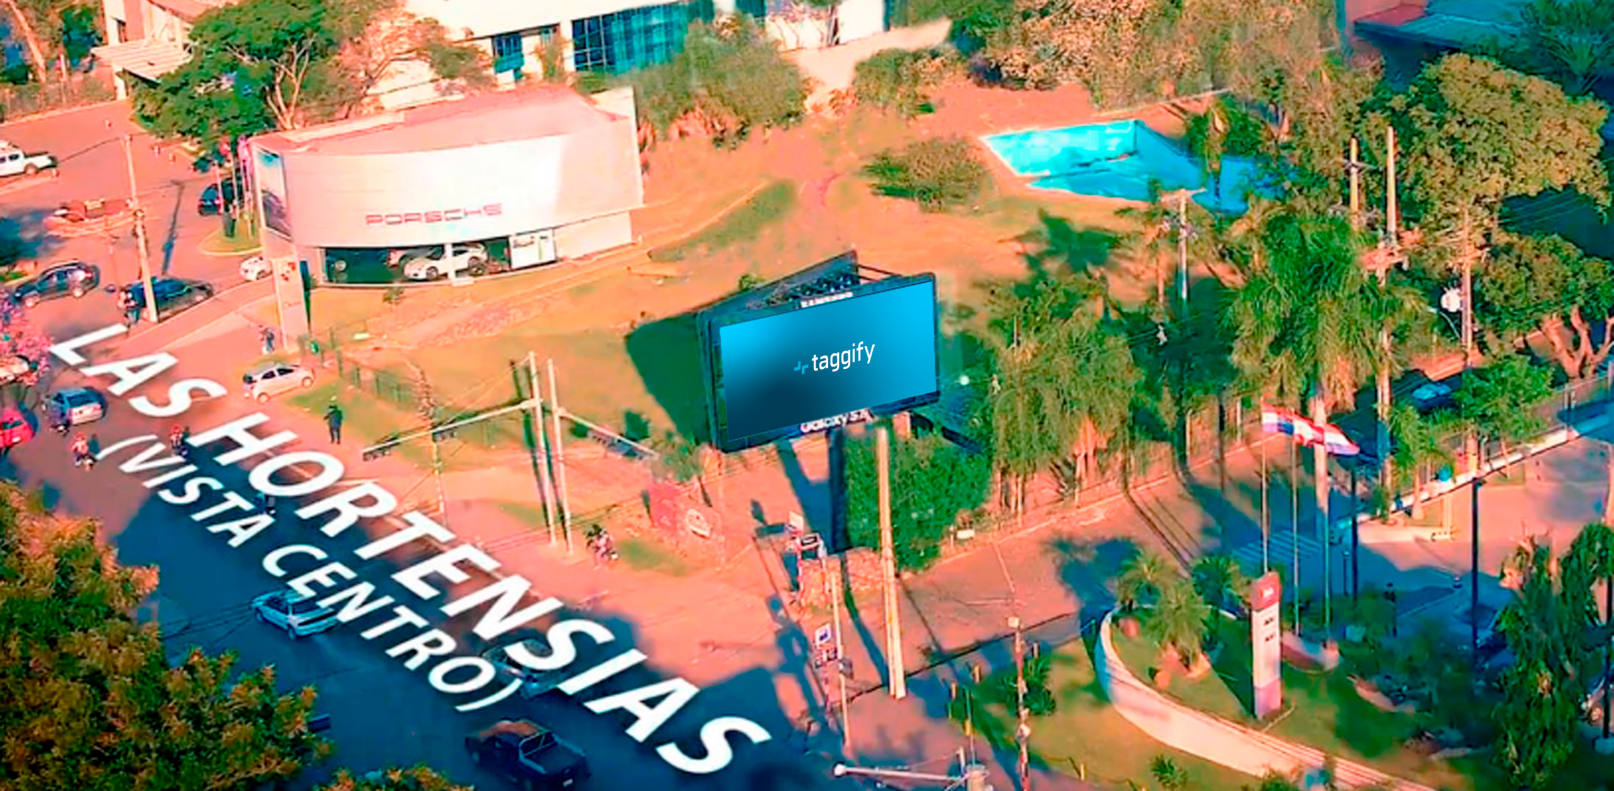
(75, 406)
(299, 615)
(533, 682)
(276, 378)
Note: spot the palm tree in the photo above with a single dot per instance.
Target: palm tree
(1142, 577)
(1156, 238)
(1307, 321)
(1592, 559)
(1419, 448)
(1220, 581)
(1179, 620)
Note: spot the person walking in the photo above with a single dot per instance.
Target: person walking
(268, 341)
(333, 421)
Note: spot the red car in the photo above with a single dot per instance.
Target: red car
(14, 429)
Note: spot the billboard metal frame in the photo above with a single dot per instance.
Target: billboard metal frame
(802, 291)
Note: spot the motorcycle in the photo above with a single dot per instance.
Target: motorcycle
(84, 461)
(179, 447)
(267, 503)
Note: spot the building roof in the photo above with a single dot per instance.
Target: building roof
(506, 116)
(190, 9)
(148, 59)
(1448, 23)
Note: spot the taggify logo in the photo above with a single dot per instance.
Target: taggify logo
(839, 360)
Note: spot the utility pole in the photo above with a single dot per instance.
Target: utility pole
(1022, 734)
(560, 459)
(1181, 197)
(428, 410)
(140, 229)
(1471, 442)
(1392, 255)
(840, 647)
(1354, 166)
(547, 487)
(888, 562)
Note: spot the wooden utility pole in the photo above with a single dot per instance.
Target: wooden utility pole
(1181, 197)
(560, 459)
(141, 248)
(1022, 734)
(888, 562)
(840, 646)
(547, 487)
(1389, 256)
(1354, 166)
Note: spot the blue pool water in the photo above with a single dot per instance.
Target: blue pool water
(1119, 160)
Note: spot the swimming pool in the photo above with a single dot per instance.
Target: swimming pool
(1119, 160)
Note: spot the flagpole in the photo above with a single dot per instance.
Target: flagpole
(1266, 530)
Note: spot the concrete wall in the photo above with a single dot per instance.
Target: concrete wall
(592, 236)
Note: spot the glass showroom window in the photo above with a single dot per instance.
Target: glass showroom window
(627, 40)
(507, 54)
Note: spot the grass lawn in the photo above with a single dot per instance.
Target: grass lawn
(1086, 737)
(245, 240)
(645, 553)
(1320, 709)
(770, 205)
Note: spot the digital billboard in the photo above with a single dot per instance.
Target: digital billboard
(823, 361)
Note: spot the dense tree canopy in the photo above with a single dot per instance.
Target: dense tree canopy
(1473, 134)
(88, 700)
(1568, 41)
(416, 778)
(729, 80)
(1546, 283)
(1499, 400)
(933, 484)
(261, 65)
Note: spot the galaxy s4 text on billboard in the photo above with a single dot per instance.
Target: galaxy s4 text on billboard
(332, 505)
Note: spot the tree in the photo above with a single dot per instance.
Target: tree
(1307, 321)
(40, 25)
(1543, 690)
(1142, 577)
(392, 37)
(1179, 620)
(1473, 134)
(1168, 773)
(1590, 561)
(729, 80)
(1419, 447)
(900, 80)
(1545, 282)
(262, 65)
(20, 338)
(416, 778)
(88, 700)
(1499, 400)
(933, 484)
(1567, 41)
(1220, 581)
(1065, 381)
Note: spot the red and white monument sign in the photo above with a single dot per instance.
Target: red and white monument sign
(1266, 644)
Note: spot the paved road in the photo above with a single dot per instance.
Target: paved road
(87, 143)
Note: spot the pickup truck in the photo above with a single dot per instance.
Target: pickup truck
(529, 755)
(16, 162)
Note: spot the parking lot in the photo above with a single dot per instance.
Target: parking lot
(88, 145)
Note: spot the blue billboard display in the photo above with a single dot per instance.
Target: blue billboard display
(824, 361)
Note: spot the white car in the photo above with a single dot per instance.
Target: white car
(429, 265)
(533, 682)
(298, 614)
(14, 367)
(255, 268)
(16, 162)
(274, 379)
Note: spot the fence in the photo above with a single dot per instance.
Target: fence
(33, 98)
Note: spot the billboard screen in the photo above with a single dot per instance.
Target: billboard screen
(271, 182)
(824, 361)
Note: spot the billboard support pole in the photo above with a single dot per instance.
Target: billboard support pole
(547, 490)
(560, 459)
(893, 628)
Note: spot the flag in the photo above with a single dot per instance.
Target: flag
(1307, 432)
(1282, 421)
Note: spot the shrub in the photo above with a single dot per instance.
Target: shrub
(1168, 774)
(900, 80)
(728, 80)
(938, 173)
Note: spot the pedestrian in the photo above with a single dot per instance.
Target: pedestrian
(131, 310)
(268, 341)
(333, 421)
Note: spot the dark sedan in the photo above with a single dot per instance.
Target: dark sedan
(173, 295)
(210, 203)
(66, 279)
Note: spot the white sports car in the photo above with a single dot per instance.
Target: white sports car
(255, 268)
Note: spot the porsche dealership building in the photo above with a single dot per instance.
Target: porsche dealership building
(540, 174)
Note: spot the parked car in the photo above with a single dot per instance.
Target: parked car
(173, 295)
(75, 406)
(64, 279)
(276, 378)
(300, 615)
(437, 262)
(14, 428)
(209, 204)
(256, 268)
(14, 367)
(529, 755)
(16, 162)
(533, 682)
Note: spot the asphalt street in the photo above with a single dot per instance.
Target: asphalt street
(382, 714)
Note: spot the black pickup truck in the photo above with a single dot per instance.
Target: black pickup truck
(529, 755)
